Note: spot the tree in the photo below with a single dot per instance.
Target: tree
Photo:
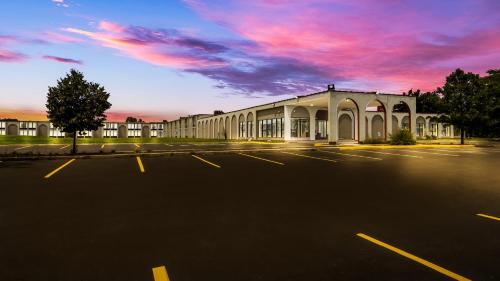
(488, 123)
(131, 120)
(75, 105)
(459, 93)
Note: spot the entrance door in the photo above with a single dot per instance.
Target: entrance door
(300, 128)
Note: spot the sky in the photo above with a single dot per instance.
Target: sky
(161, 59)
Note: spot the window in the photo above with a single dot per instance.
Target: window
(157, 130)
(134, 130)
(420, 129)
(55, 132)
(27, 128)
(241, 132)
(271, 128)
(2, 128)
(84, 134)
(110, 130)
(250, 129)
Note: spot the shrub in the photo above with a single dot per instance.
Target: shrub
(374, 141)
(404, 137)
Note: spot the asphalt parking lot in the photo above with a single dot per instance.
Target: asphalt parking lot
(284, 214)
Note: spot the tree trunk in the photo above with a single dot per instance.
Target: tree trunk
(74, 143)
(462, 135)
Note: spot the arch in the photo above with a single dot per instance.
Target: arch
(250, 125)
(12, 130)
(349, 105)
(122, 131)
(211, 129)
(216, 129)
(234, 128)
(145, 132)
(378, 127)
(420, 126)
(376, 105)
(405, 123)
(403, 107)
(242, 127)
(345, 127)
(300, 123)
(227, 128)
(42, 131)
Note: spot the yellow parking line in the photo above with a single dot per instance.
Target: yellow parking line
(312, 157)
(160, 273)
(139, 162)
(102, 146)
(414, 258)
(388, 153)
(65, 146)
(60, 168)
(488, 216)
(22, 147)
(352, 155)
(136, 145)
(427, 152)
(206, 161)
(263, 159)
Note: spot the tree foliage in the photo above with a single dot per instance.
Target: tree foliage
(75, 105)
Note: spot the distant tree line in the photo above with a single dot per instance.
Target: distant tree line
(467, 101)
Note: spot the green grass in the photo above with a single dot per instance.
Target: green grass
(45, 140)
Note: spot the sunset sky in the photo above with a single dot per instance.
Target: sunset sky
(163, 58)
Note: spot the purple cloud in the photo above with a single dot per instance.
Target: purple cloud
(63, 60)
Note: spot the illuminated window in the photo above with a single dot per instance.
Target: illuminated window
(242, 130)
(84, 134)
(271, 128)
(27, 128)
(134, 130)
(110, 130)
(55, 132)
(2, 128)
(157, 130)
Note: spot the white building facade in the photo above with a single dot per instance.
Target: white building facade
(333, 116)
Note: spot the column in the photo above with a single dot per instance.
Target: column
(369, 127)
(333, 135)
(288, 121)
(439, 128)
(312, 123)
(362, 125)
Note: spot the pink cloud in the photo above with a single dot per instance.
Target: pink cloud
(60, 38)
(152, 47)
(111, 27)
(390, 46)
(9, 56)
(63, 60)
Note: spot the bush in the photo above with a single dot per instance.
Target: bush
(404, 137)
(373, 141)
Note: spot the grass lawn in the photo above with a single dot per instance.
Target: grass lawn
(45, 140)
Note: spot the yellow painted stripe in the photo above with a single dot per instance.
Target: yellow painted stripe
(488, 216)
(60, 168)
(388, 153)
(435, 153)
(23, 147)
(139, 162)
(206, 161)
(136, 145)
(351, 155)
(65, 146)
(263, 159)
(312, 157)
(102, 146)
(160, 274)
(414, 258)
